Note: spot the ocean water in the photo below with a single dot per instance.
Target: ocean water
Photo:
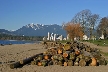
(6, 42)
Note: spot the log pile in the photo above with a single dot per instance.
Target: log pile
(69, 54)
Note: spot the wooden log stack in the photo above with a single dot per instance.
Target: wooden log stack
(70, 54)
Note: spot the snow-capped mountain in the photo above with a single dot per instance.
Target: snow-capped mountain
(40, 30)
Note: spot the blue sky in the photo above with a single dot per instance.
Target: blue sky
(16, 13)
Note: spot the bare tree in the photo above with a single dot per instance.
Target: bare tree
(87, 21)
(82, 18)
(103, 27)
(93, 20)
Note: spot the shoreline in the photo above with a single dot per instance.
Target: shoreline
(12, 42)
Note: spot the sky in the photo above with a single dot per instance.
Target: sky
(17, 13)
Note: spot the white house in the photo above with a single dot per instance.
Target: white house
(85, 37)
(102, 37)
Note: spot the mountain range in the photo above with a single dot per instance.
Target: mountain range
(36, 30)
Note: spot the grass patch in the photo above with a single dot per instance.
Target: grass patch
(99, 42)
(107, 61)
(104, 53)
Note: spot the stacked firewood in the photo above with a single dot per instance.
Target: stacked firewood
(70, 54)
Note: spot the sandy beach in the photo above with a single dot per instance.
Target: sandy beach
(16, 52)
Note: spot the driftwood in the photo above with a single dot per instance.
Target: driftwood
(28, 60)
(22, 62)
(15, 65)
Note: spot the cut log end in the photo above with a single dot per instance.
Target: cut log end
(11, 66)
(65, 64)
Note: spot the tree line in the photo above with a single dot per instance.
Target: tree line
(87, 23)
(15, 37)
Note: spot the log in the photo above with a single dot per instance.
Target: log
(77, 51)
(66, 54)
(81, 56)
(60, 51)
(76, 63)
(70, 63)
(82, 62)
(39, 64)
(28, 60)
(53, 48)
(93, 62)
(50, 63)
(44, 62)
(60, 63)
(102, 61)
(71, 56)
(60, 57)
(85, 53)
(66, 47)
(55, 57)
(87, 58)
(46, 56)
(53, 52)
(15, 65)
(40, 57)
(77, 59)
(75, 44)
(65, 64)
(55, 62)
(66, 59)
(35, 62)
(60, 45)
(88, 49)
(46, 52)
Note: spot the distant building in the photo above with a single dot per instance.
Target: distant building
(67, 36)
(85, 37)
(102, 37)
(48, 36)
(44, 39)
(54, 37)
(61, 37)
(64, 39)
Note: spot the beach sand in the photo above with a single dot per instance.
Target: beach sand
(16, 52)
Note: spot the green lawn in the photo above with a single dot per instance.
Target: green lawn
(104, 53)
(100, 42)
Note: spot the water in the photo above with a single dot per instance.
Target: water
(6, 42)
